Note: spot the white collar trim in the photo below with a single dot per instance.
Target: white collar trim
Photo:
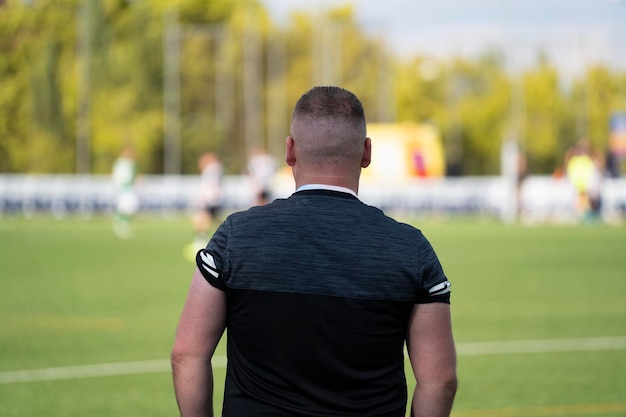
(325, 187)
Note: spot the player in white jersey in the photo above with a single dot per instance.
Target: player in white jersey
(208, 202)
(261, 168)
(126, 204)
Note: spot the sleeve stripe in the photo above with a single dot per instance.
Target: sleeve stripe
(440, 289)
(208, 264)
(208, 259)
(210, 271)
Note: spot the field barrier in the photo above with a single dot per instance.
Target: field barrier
(538, 199)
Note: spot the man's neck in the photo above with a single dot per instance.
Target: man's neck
(330, 180)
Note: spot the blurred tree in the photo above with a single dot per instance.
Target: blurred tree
(34, 121)
(606, 92)
(421, 90)
(48, 132)
(478, 106)
(544, 111)
(15, 44)
(215, 97)
(239, 75)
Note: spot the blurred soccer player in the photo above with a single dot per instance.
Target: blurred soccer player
(319, 291)
(209, 198)
(126, 204)
(585, 171)
(261, 168)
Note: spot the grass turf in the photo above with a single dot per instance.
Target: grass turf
(71, 293)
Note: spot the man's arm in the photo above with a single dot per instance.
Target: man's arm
(200, 328)
(433, 359)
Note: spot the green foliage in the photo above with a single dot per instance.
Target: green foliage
(103, 63)
(602, 85)
(544, 113)
(33, 123)
(482, 94)
(420, 89)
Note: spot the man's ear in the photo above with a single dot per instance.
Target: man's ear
(367, 153)
(290, 152)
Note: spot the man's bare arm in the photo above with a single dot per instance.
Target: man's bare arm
(433, 359)
(200, 328)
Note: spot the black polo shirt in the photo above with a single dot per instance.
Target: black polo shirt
(319, 291)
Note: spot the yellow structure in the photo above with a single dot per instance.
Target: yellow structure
(405, 150)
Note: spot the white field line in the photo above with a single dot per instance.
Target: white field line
(463, 349)
(89, 371)
(541, 346)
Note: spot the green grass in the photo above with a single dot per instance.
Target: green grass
(71, 293)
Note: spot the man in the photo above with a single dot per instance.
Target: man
(207, 203)
(261, 168)
(126, 204)
(209, 199)
(319, 293)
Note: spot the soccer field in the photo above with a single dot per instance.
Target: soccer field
(87, 320)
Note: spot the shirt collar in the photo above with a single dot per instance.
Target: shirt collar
(325, 187)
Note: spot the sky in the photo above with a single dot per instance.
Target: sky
(573, 33)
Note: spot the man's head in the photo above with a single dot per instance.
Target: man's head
(328, 140)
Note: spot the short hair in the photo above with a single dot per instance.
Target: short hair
(330, 101)
(331, 121)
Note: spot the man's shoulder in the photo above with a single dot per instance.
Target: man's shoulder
(391, 222)
(266, 211)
